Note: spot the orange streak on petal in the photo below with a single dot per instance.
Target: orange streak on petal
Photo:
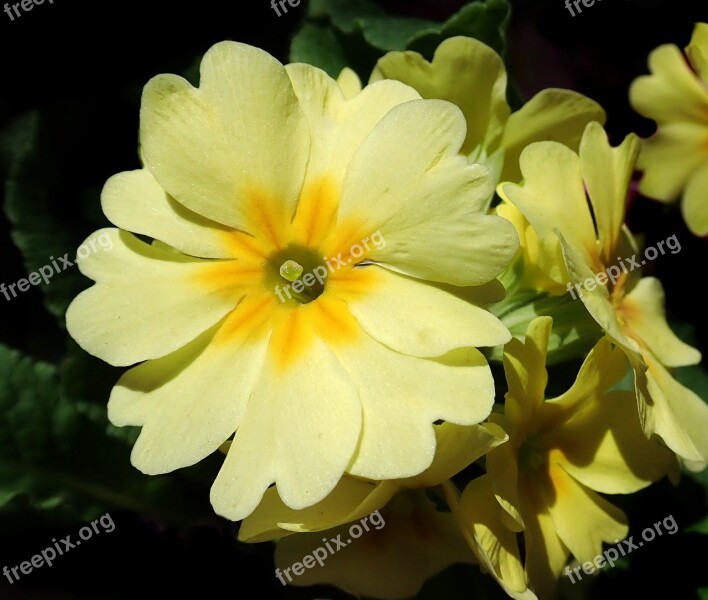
(252, 317)
(267, 220)
(558, 478)
(350, 282)
(231, 276)
(243, 246)
(345, 236)
(316, 212)
(292, 337)
(332, 321)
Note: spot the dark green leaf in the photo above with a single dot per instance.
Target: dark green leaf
(33, 206)
(318, 46)
(700, 527)
(484, 20)
(58, 454)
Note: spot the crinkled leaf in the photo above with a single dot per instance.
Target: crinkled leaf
(62, 455)
(380, 29)
(319, 46)
(485, 20)
(36, 208)
(355, 33)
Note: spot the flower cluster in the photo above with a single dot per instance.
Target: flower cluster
(367, 391)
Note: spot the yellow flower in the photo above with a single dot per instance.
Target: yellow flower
(302, 289)
(630, 310)
(544, 481)
(471, 75)
(675, 158)
(392, 561)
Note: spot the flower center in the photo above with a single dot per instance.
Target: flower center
(531, 454)
(297, 275)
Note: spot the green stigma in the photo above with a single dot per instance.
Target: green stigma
(291, 271)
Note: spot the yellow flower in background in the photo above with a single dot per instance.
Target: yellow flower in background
(390, 561)
(472, 75)
(675, 158)
(456, 447)
(544, 481)
(580, 243)
(302, 288)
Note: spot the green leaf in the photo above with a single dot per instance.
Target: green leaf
(57, 454)
(380, 30)
(319, 46)
(33, 202)
(703, 593)
(700, 527)
(356, 33)
(485, 20)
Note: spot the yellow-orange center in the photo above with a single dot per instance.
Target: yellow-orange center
(291, 276)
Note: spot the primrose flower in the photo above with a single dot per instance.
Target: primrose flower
(390, 562)
(472, 75)
(583, 248)
(303, 292)
(544, 481)
(675, 158)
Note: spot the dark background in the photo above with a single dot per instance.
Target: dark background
(83, 64)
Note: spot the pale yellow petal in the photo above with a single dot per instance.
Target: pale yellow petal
(603, 447)
(403, 396)
(337, 124)
(214, 147)
(147, 301)
(677, 414)
(645, 315)
(494, 545)
(671, 157)
(530, 261)
(134, 201)
(525, 371)
(187, 403)
(309, 419)
(465, 72)
(350, 500)
(551, 115)
(503, 468)
(595, 297)
(545, 554)
(449, 322)
(457, 447)
(607, 172)
(695, 201)
(349, 82)
(583, 519)
(553, 191)
(396, 184)
(604, 366)
(672, 92)
(408, 542)
(697, 50)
